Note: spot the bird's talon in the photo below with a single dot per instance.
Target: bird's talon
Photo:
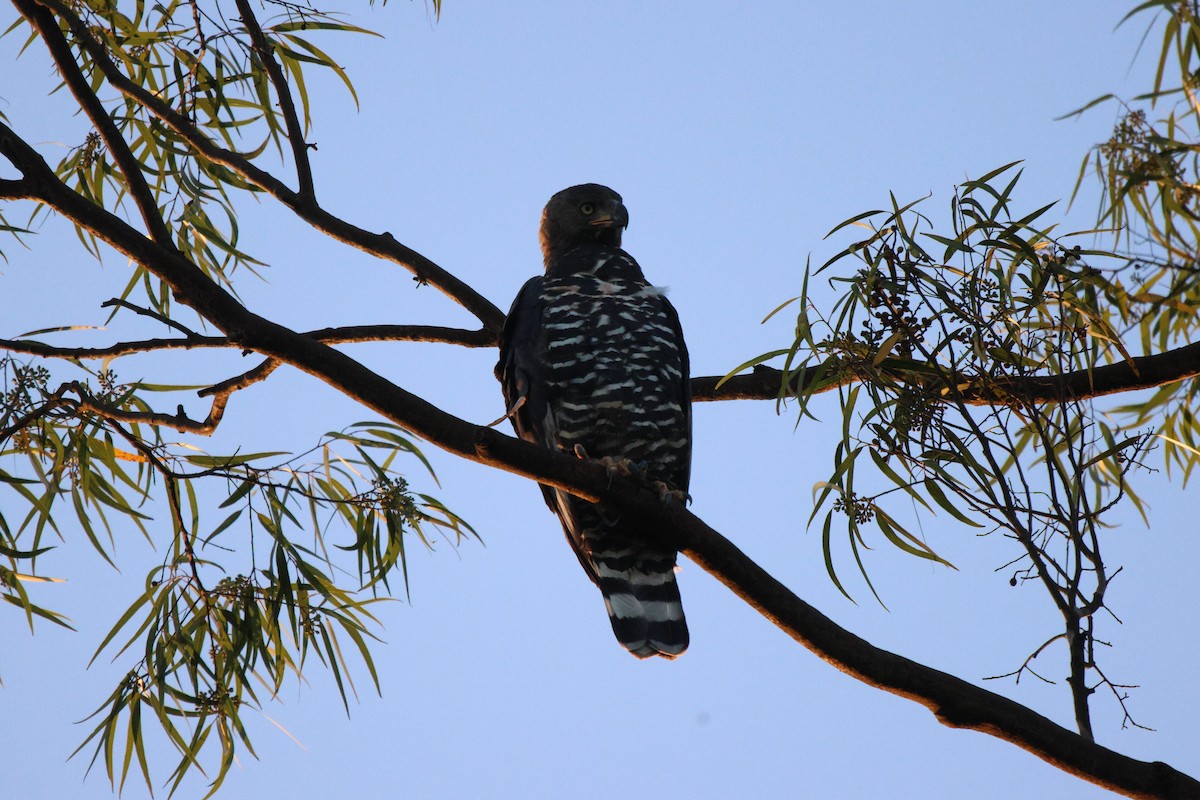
(667, 494)
(615, 466)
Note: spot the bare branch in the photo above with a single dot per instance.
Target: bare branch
(353, 334)
(1121, 696)
(295, 134)
(248, 378)
(178, 421)
(1025, 666)
(35, 348)
(116, 302)
(350, 334)
(1142, 372)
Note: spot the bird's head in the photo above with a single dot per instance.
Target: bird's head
(585, 213)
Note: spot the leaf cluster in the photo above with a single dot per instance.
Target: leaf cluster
(199, 60)
(1149, 171)
(235, 606)
(267, 558)
(927, 321)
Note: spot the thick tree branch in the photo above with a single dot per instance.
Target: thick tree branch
(1145, 372)
(14, 189)
(954, 702)
(382, 245)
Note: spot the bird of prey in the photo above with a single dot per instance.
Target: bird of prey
(593, 364)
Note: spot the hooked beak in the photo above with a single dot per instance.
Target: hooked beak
(615, 217)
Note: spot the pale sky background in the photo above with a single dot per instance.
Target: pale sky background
(739, 135)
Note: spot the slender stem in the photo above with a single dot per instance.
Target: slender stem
(116, 302)
(345, 335)
(1080, 692)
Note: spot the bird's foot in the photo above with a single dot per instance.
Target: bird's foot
(668, 494)
(616, 465)
(623, 467)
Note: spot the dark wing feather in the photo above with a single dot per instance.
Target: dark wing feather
(685, 388)
(521, 372)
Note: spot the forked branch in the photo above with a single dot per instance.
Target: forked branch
(287, 106)
(381, 245)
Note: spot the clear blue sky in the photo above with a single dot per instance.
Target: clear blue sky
(738, 136)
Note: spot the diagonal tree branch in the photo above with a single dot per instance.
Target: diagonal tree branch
(382, 245)
(64, 59)
(955, 702)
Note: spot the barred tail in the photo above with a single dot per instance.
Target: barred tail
(643, 604)
(636, 579)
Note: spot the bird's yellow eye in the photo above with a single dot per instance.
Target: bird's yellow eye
(587, 208)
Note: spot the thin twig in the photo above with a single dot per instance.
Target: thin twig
(353, 334)
(149, 312)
